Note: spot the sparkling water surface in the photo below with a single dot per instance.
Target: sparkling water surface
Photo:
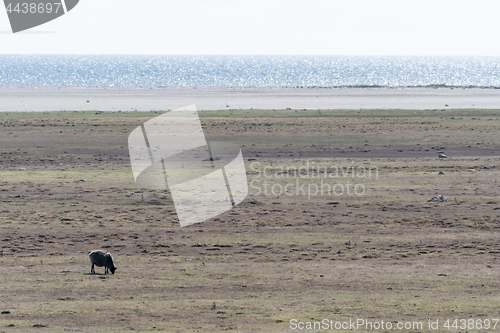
(247, 71)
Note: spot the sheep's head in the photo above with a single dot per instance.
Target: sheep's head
(112, 269)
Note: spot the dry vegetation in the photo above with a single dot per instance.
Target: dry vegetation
(389, 254)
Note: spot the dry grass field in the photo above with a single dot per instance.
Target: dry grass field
(389, 254)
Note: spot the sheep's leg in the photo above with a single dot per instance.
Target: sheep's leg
(105, 269)
(92, 269)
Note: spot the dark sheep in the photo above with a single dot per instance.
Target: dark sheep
(101, 259)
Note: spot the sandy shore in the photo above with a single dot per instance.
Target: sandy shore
(148, 99)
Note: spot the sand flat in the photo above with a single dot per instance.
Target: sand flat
(169, 98)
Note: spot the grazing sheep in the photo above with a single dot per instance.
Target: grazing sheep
(100, 259)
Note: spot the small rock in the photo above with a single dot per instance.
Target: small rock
(439, 198)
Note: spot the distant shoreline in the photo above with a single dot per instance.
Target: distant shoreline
(215, 98)
(430, 86)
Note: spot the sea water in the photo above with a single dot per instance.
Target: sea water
(247, 71)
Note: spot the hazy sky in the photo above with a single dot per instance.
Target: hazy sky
(313, 27)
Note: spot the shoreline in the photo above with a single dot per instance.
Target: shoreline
(43, 99)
